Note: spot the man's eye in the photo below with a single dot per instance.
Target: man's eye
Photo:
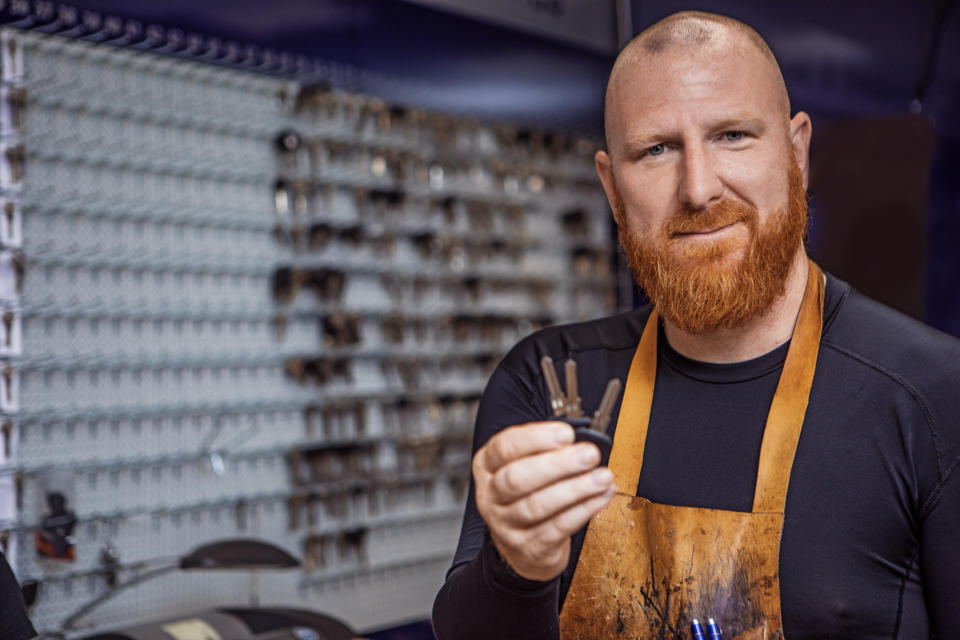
(656, 150)
(733, 136)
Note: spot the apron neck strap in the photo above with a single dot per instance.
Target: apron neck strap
(784, 421)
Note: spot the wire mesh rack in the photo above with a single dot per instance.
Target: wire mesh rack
(242, 299)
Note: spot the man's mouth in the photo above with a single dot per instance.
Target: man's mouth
(703, 233)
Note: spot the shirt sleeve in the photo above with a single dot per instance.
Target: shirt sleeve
(14, 623)
(482, 597)
(940, 554)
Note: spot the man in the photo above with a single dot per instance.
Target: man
(752, 373)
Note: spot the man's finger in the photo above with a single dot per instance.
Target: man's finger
(524, 476)
(524, 440)
(555, 530)
(555, 498)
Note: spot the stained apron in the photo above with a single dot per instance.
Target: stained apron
(646, 569)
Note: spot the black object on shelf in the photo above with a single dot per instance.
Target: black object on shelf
(277, 623)
(54, 539)
(238, 554)
(232, 554)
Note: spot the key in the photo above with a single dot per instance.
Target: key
(359, 419)
(280, 325)
(458, 487)
(601, 417)
(300, 198)
(294, 506)
(319, 465)
(320, 371)
(326, 422)
(557, 399)
(360, 500)
(573, 399)
(336, 505)
(583, 261)
(313, 97)
(313, 504)
(378, 499)
(408, 370)
(384, 243)
(341, 329)
(8, 385)
(240, 511)
(10, 211)
(17, 99)
(295, 466)
(352, 235)
(387, 496)
(285, 283)
(326, 284)
(392, 328)
(16, 156)
(319, 235)
(575, 223)
(313, 552)
(19, 263)
(426, 453)
(281, 198)
(310, 420)
(7, 428)
(18, 489)
(352, 543)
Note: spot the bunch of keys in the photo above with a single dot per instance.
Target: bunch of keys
(566, 406)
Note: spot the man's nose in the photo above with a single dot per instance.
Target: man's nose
(700, 184)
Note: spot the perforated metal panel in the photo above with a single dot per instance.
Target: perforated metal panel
(237, 306)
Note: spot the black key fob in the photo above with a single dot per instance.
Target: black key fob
(583, 433)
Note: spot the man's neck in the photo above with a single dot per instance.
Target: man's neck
(754, 338)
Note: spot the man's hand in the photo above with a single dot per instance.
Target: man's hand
(534, 489)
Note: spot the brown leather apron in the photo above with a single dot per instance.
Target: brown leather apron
(646, 569)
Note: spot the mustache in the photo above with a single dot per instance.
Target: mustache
(725, 212)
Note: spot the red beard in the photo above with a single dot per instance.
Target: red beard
(703, 286)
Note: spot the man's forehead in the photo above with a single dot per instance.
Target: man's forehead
(683, 73)
(727, 79)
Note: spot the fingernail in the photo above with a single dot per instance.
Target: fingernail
(563, 434)
(602, 476)
(588, 455)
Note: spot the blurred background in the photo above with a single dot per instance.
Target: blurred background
(258, 259)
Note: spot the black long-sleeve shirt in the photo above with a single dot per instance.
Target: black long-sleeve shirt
(871, 539)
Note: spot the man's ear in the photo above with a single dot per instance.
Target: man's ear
(605, 171)
(800, 130)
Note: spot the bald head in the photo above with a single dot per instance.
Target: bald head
(687, 33)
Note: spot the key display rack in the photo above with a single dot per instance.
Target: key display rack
(237, 304)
